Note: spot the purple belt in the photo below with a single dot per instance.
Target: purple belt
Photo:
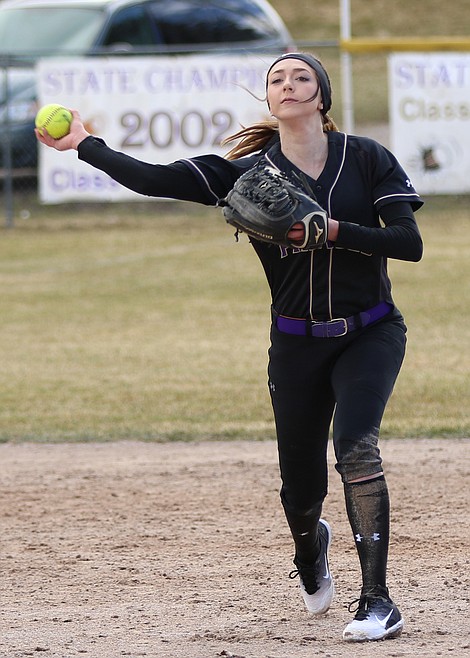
(331, 328)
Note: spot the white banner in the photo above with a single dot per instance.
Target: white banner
(156, 109)
(430, 119)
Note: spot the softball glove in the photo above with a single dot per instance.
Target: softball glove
(265, 205)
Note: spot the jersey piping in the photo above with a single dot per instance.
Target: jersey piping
(271, 162)
(312, 266)
(202, 175)
(340, 169)
(330, 265)
(392, 196)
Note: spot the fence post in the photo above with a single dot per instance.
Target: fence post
(346, 69)
(7, 155)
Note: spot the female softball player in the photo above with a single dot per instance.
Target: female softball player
(337, 338)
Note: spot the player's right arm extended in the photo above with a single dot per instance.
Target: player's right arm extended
(172, 181)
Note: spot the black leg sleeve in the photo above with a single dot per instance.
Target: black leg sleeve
(368, 508)
(304, 530)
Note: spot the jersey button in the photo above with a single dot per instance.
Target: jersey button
(318, 187)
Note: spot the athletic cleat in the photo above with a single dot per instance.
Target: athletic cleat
(316, 583)
(377, 618)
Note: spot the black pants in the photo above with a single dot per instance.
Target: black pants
(313, 381)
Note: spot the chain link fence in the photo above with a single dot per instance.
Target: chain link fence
(19, 148)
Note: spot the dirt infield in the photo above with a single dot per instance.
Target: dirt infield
(181, 551)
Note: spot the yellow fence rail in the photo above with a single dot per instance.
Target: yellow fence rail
(419, 44)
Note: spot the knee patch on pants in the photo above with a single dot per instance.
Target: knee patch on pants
(359, 459)
(305, 510)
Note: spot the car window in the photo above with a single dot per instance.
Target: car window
(191, 22)
(252, 19)
(42, 29)
(130, 26)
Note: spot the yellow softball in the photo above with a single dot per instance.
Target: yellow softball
(54, 118)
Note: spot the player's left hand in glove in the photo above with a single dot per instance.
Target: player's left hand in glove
(266, 205)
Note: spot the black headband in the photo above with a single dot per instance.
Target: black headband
(323, 79)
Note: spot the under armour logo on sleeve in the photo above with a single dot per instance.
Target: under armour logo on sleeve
(375, 537)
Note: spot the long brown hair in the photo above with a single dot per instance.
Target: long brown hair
(256, 137)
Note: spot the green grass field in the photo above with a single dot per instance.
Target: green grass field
(309, 19)
(156, 327)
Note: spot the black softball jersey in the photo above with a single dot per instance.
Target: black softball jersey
(362, 185)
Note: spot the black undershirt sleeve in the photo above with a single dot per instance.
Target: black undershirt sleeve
(172, 181)
(399, 238)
